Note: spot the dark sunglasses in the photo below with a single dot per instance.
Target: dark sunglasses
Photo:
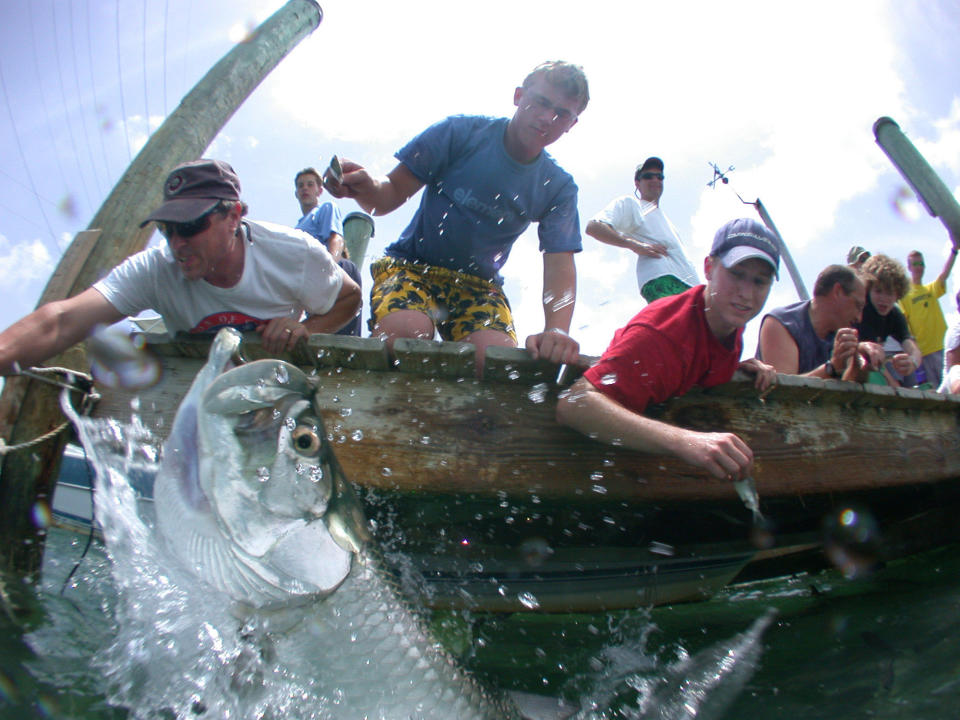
(651, 176)
(186, 229)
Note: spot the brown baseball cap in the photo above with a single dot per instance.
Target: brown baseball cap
(194, 188)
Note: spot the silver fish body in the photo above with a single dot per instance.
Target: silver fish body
(252, 501)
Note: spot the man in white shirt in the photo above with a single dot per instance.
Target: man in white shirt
(215, 270)
(637, 223)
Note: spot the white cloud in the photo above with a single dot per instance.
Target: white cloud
(23, 262)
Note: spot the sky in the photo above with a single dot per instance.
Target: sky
(785, 94)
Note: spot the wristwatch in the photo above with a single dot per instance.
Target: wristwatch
(831, 370)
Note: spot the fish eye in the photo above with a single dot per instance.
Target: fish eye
(305, 440)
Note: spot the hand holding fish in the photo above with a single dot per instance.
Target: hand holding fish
(903, 364)
(723, 455)
(845, 345)
(352, 180)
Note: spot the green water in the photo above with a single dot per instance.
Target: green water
(886, 646)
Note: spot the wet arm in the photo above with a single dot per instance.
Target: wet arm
(53, 328)
(559, 298)
(592, 413)
(377, 196)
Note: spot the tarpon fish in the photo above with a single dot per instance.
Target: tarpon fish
(251, 499)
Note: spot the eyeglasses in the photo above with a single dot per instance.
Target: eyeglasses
(651, 176)
(186, 229)
(540, 103)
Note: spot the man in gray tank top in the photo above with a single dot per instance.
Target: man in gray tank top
(816, 337)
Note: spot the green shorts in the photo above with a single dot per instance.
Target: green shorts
(661, 287)
(459, 304)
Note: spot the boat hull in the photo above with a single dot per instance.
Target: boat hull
(483, 501)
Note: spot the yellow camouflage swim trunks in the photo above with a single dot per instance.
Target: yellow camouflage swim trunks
(458, 303)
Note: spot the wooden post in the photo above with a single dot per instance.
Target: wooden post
(29, 409)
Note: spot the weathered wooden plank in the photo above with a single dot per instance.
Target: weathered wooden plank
(514, 365)
(349, 352)
(451, 433)
(435, 358)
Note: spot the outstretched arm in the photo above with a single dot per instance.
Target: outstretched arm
(584, 408)
(377, 196)
(951, 259)
(53, 328)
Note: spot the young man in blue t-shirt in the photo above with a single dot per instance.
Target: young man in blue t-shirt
(487, 179)
(323, 221)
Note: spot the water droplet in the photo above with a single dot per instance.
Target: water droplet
(346, 412)
(356, 435)
(263, 474)
(538, 393)
(608, 379)
(529, 600)
(659, 548)
(386, 472)
(283, 375)
(599, 489)
(316, 474)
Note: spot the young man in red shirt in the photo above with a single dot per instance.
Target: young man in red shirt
(675, 343)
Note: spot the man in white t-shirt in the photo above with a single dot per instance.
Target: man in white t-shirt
(215, 270)
(637, 223)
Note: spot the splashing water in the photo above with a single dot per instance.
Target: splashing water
(175, 650)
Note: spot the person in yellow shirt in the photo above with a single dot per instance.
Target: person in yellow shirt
(921, 305)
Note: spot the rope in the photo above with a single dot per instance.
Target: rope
(5, 449)
(89, 397)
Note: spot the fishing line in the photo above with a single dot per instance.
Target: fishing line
(146, 104)
(123, 106)
(86, 548)
(23, 159)
(43, 95)
(63, 97)
(93, 88)
(80, 105)
(166, 12)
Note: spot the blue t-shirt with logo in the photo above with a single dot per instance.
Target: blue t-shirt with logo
(477, 200)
